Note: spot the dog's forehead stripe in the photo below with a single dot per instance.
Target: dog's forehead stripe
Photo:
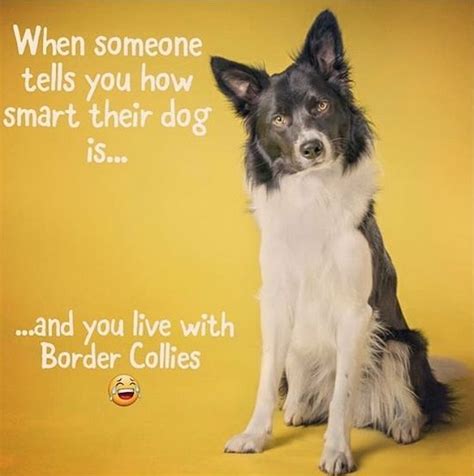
(282, 97)
(290, 88)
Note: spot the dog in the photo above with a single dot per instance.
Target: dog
(335, 340)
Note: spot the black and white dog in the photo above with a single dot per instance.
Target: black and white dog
(334, 335)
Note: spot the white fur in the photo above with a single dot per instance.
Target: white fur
(386, 399)
(446, 370)
(317, 278)
(316, 321)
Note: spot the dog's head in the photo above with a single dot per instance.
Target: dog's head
(303, 118)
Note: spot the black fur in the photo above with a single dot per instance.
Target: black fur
(321, 71)
(240, 83)
(384, 277)
(436, 399)
(323, 49)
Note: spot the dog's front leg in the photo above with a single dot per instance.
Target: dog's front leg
(275, 336)
(352, 333)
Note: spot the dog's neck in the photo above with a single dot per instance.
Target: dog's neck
(327, 198)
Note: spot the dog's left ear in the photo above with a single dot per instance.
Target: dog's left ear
(241, 84)
(323, 49)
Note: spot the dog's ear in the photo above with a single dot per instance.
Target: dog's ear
(323, 49)
(240, 83)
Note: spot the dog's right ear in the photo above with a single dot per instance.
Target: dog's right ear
(323, 49)
(240, 83)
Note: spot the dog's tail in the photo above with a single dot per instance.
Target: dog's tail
(446, 370)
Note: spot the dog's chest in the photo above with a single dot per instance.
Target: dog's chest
(296, 223)
(310, 239)
(302, 221)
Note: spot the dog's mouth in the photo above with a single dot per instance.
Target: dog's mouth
(290, 167)
(126, 393)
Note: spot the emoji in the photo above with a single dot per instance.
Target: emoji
(124, 390)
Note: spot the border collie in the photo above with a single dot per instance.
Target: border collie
(335, 341)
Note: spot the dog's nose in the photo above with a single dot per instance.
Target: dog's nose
(311, 149)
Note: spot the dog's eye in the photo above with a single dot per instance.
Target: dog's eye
(322, 106)
(279, 120)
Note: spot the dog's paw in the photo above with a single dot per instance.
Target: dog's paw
(335, 462)
(295, 415)
(405, 431)
(293, 419)
(301, 412)
(246, 443)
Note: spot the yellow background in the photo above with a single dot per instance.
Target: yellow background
(168, 234)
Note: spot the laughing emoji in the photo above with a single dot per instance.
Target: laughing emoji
(124, 390)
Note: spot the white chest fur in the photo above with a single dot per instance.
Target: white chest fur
(326, 200)
(314, 262)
